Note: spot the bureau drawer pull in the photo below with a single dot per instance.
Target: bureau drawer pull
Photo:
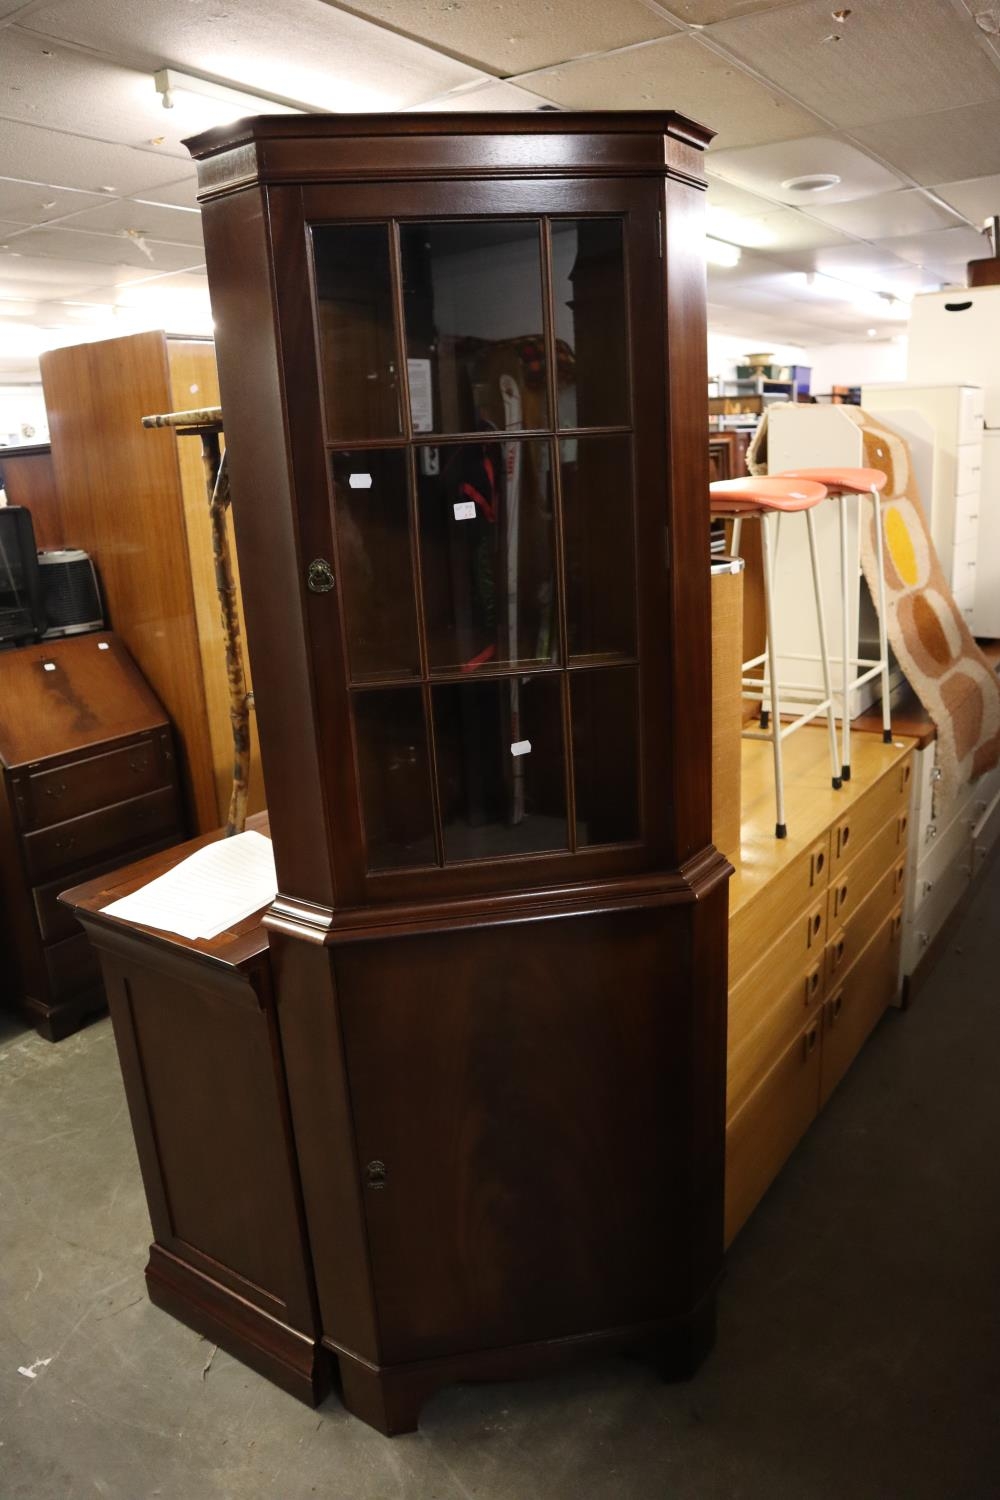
(836, 1006)
(928, 887)
(900, 876)
(842, 897)
(809, 1041)
(930, 833)
(66, 843)
(138, 763)
(843, 837)
(906, 773)
(838, 950)
(57, 790)
(812, 985)
(897, 923)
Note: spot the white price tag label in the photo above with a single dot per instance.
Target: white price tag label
(49, 666)
(465, 510)
(521, 747)
(360, 481)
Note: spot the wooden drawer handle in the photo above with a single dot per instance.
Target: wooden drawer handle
(836, 1006)
(897, 923)
(812, 985)
(843, 836)
(842, 897)
(900, 875)
(819, 860)
(838, 951)
(138, 763)
(809, 1041)
(903, 821)
(65, 844)
(815, 923)
(906, 773)
(57, 790)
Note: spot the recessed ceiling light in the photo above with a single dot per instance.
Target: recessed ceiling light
(873, 333)
(813, 182)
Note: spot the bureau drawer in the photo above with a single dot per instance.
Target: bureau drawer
(851, 1011)
(66, 846)
(45, 797)
(56, 921)
(847, 942)
(851, 885)
(761, 1136)
(923, 927)
(968, 467)
(971, 407)
(72, 966)
(938, 856)
(754, 1048)
(889, 795)
(758, 924)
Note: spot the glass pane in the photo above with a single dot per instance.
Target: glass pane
(472, 294)
(376, 572)
(357, 345)
(605, 717)
(599, 546)
(588, 289)
(500, 767)
(395, 785)
(487, 554)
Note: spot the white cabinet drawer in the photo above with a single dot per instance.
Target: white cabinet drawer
(967, 516)
(963, 573)
(937, 856)
(921, 930)
(970, 413)
(968, 467)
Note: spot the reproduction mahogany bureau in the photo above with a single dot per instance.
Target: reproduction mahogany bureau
(88, 780)
(462, 361)
(815, 935)
(197, 1035)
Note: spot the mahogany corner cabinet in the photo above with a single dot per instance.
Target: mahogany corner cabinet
(463, 370)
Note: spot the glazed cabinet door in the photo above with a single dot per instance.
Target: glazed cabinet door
(479, 462)
(523, 1120)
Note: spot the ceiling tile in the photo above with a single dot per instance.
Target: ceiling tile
(863, 266)
(944, 247)
(36, 203)
(736, 200)
(493, 96)
(978, 198)
(953, 145)
(889, 55)
(42, 81)
(295, 50)
(706, 12)
(679, 73)
(105, 249)
(37, 275)
(75, 162)
(154, 221)
(788, 229)
(763, 169)
(520, 34)
(907, 211)
(183, 194)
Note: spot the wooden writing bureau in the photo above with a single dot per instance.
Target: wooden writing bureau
(89, 779)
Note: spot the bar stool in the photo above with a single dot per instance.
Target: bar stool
(740, 500)
(841, 482)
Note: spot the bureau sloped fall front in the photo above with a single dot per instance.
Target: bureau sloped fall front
(462, 363)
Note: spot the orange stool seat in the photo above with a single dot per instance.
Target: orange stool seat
(841, 481)
(752, 494)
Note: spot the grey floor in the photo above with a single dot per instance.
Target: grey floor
(858, 1352)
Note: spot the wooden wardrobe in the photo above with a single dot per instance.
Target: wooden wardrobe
(135, 499)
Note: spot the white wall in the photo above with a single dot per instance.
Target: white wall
(856, 364)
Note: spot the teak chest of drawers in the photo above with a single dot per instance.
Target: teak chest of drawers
(88, 781)
(814, 948)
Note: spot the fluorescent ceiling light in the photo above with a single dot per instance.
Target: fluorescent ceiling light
(205, 102)
(750, 233)
(719, 253)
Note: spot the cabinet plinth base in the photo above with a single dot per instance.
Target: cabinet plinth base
(389, 1398)
(55, 1019)
(293, 1360)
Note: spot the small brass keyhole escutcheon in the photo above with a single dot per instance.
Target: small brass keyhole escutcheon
(320, 576)
(375, 1174)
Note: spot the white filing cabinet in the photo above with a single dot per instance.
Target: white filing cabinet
(955, 337)
(943, 426)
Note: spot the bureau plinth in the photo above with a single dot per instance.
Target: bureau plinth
(462, 362)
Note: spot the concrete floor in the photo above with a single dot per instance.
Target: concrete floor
(858, 1352)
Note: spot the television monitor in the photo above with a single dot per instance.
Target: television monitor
(21, 614)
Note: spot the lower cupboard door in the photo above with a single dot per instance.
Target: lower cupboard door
(851, 1012)
(763, 1134)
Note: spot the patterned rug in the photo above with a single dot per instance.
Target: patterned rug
(933, 644)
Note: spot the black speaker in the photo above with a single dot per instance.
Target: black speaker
(70, 592)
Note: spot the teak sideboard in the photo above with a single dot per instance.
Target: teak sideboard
(462, 360)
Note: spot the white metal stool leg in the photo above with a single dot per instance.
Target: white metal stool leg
(831, 722)
(845, 754)
(883, 627)
(780, 827)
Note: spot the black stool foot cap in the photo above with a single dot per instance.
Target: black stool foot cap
(765, 718)
(846, 773)
(887, 736)
(781, 830)
(837, 783)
